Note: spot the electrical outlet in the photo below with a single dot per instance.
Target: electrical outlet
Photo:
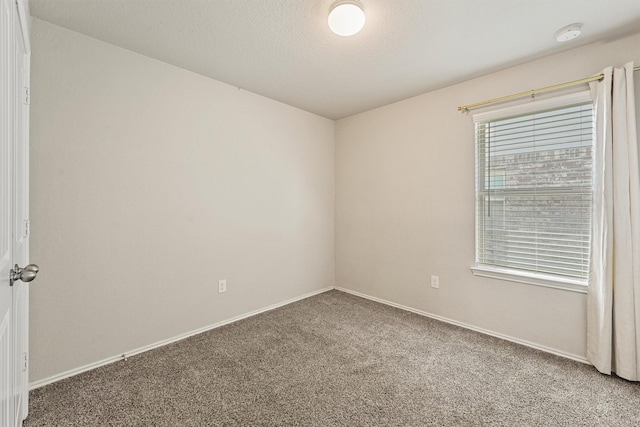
(222, 286)
(435, 282)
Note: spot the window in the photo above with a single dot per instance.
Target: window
(534, 166)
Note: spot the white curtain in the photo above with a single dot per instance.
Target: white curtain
(613, 307)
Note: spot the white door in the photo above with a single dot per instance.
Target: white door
(20, 226)
(7, 403)
(14, 113)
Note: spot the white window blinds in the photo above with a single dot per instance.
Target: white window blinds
(534, 189)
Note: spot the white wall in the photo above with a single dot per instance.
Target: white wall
(405, 206)
(148, 184)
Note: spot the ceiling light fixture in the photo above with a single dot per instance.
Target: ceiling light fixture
(569, 32)
(346, 17)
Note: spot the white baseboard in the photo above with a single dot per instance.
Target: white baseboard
(124, 356)
(40, 383)
(467, 326)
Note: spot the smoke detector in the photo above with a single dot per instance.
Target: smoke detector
(569, 32)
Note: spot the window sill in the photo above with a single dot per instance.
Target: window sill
(537, 279)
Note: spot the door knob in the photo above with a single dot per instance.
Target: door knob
(26, 274)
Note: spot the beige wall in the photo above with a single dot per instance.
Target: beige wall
(405, 206)
(148, 184)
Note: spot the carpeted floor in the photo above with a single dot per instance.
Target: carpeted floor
(338, 360)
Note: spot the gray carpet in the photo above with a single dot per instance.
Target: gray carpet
(338, 360)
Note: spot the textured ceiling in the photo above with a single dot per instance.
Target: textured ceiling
(284, 50)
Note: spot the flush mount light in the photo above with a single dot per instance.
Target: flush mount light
(346, 17)
(569, 32)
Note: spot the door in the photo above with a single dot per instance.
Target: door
(7, 403)
(20, 215)
(14, 113)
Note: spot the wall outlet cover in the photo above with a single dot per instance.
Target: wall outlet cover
(222, 286)
(435, 281)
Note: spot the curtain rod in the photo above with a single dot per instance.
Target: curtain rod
(533, 92)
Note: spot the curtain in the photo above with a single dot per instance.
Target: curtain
(613, 299)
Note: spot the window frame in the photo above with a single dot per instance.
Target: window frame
(512, 274)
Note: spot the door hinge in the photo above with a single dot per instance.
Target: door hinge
(25, 359)
(27, 228)
(27, 96)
